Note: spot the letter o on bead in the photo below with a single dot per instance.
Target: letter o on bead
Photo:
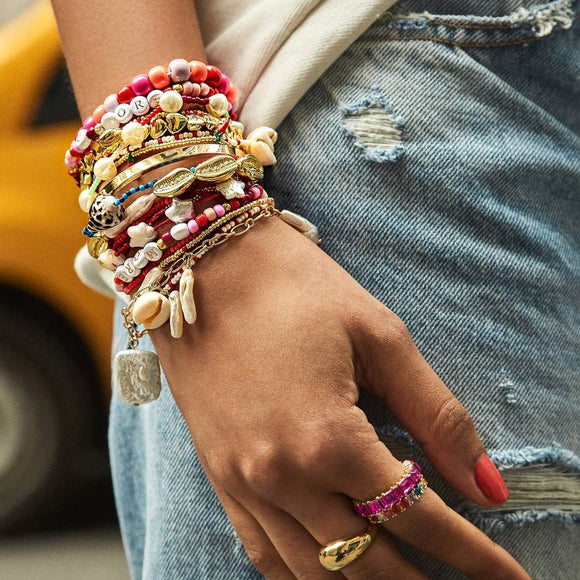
(123, 113)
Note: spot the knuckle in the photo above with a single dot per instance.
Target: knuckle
(263, 468)
(388, 329)
(452, 420)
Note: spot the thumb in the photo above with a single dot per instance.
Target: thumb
(389, 364)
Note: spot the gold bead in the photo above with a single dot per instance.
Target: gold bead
(161, 245)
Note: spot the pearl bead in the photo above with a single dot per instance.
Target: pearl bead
(204, 89)
(133, 133)
(187, 88)
(195, 89)
(179, 70)
(111, 103)
(139, 106)
(141, 85)
(123, 113)
(192, 226)
(218, 105)
(85, 199)
(105, 169)
(109, 121)
(179, 231)
(171, 102)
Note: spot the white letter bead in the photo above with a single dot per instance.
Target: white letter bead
(130, 268)
(140, 259)
(153, 252)
(153, 98)
(122, 274)
(123, 113)
(139, 105)
(180, 232)
(109, 121)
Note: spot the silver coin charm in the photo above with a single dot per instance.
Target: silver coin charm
(137, 376)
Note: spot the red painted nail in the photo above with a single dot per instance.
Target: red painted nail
(490, 481)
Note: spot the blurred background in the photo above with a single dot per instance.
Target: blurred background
(57, 515)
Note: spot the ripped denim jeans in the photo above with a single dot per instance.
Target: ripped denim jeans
(440, 159)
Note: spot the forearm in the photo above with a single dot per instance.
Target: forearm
(107, 42)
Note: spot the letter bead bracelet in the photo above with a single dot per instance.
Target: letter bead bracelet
(150, 232)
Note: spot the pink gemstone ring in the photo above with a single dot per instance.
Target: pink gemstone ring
(397, 498)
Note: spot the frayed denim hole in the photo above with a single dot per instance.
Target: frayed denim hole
(376, 127)
(544, 484)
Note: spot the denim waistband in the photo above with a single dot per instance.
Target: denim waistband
(472, 23)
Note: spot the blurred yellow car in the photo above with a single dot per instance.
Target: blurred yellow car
(55, 332)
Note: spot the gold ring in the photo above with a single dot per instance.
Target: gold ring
(339, 553)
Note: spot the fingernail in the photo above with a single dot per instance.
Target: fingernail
(490, 481)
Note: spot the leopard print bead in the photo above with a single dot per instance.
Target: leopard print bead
(104, 214)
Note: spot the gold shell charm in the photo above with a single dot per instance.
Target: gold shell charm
(218, 168)
(176, 122)
(97, 245)
(338, 554)
(250, 166)
(174, 183)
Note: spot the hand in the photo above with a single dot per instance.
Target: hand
(267, 380)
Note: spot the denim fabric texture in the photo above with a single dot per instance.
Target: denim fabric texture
(440, 159)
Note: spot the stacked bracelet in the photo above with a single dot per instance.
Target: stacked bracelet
(151, 235)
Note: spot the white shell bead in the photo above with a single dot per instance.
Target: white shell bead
(186, 296)
(105, 169)
(151, 310)
(109, 261)
(141, 234)
(171, 102)
(111, 103)
(85, 200)
(175, 315)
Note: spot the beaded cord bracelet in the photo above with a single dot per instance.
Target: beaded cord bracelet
(135, 99)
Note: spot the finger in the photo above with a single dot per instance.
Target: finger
(258, 546)
(390, 365)
(428, 524)
(433, 527)
(292, 541)
(331, 517)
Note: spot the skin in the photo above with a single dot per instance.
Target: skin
(268, 377)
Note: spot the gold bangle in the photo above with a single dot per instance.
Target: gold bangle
(158, 160)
